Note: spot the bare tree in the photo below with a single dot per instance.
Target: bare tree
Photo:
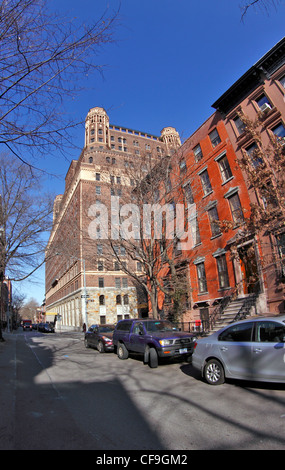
(143, 243)
(264, 5)
(25, 219)
(29, 310)
(43, 58)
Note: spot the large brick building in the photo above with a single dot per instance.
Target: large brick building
(84, 283)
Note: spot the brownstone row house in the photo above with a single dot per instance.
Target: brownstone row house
(232, 169)
(230, 261)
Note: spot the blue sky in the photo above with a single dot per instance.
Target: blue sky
(169, 63)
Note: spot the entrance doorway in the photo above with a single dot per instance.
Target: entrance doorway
(249, 271)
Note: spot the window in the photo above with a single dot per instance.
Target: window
(118, 300)
(100, 266)
(182, 166)
(101, 282)
(118, 180)
(201, 275)
(253, 152)
(188, 193)
(101, 299)
(279, 131)
(98, 189)
(139, 266)
(118, 282)
(195, 232)
(282, 81)
(97, 176)
(214, 219)
(263, 103)
(270, 332)
(225, 169)
(215, 138)
(281, 251)
(198, 153)
(205, 180)
(236, 209)
(90, 159)
(241, 332)
(116, 266)
(222, 271)
(125, 282)
(240, 126)
(126, 299)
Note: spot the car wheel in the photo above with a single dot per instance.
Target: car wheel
(100, 347)
(214, 372)
(86, 343)
(122, 351)
(153, 358)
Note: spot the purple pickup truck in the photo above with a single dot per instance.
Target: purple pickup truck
(153, 339)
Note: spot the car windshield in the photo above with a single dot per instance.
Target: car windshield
(159, 325)
(106, 329)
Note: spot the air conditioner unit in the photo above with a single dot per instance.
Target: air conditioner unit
(265, 107)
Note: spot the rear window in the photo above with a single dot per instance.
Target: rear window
(124, 326)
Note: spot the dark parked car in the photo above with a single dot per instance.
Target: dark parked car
(100, 337)
(152, 339)
(46, 327)
(252, 349)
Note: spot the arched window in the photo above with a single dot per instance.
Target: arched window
(118, 300)
(102, 300)
(126, 299)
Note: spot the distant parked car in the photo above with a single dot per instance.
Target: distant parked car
(100, 337)
(252, 349)
(46, 328)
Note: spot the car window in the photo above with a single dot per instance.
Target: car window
(270, 332)
(138, 327)
(124, 326)
(240, 332)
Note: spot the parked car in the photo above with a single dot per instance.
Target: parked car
(27, 325)
(100, 337)
(152, 339)
(251, 349)
(46, 327)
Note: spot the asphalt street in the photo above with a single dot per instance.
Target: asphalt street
(57, 395)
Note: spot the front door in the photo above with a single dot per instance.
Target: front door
(248, 268)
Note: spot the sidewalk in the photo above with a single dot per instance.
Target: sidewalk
(7, 390)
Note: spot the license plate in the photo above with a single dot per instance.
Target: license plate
(183, 351)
